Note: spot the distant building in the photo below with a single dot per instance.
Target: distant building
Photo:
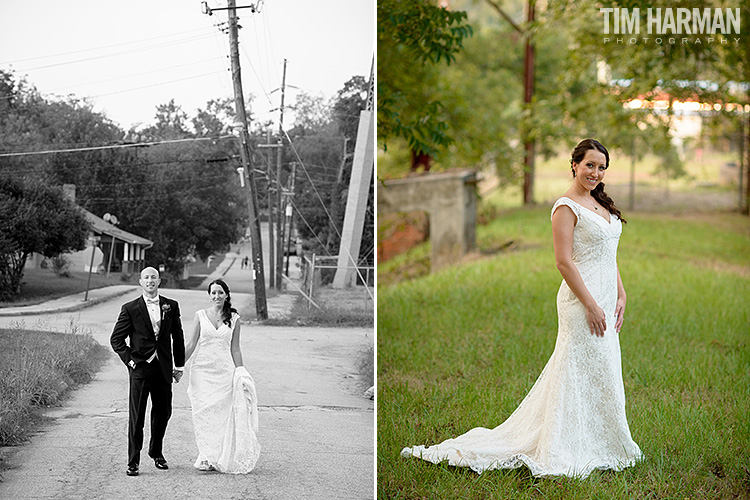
(118, 250)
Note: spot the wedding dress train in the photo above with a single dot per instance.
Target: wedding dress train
(572, 421)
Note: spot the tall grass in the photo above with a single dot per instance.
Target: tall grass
(37, 369)
(461, 348)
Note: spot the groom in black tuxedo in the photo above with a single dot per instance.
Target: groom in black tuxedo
(151, 325)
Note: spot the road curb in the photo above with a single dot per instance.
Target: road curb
(62, 309)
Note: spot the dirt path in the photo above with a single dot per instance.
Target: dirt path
(316, 429)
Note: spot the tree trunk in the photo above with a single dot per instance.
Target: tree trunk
(528, 83)
(746, 210)
(11, 274)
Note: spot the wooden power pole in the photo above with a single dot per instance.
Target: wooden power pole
(261, 306)
(279, 215)
(271, 257)
(528, 95)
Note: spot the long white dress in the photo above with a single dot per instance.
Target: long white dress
(223, 401)
(572, 421)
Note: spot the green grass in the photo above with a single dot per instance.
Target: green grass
(37, 369)
(461, 348)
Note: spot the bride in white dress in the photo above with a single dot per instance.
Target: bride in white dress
(221, 391)
(572, 421)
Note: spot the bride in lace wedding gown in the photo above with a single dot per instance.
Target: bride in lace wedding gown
(221, 391)
(572, 421)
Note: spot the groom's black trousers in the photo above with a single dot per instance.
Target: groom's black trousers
(145, 379)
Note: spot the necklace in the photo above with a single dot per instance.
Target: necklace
(212, 316)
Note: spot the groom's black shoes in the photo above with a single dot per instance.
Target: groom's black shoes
(132, 470)
(161, 463)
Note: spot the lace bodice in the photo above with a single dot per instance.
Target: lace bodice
(594, 253)
(210, 334)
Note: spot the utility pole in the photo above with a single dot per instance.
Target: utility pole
(528, 94)
(528, 90)
(271, 256)
(279, 215)
(261, 306)
(290, 215)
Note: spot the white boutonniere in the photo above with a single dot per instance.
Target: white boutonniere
(164, 311)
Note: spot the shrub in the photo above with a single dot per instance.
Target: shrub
(61, 266)
(37, 369)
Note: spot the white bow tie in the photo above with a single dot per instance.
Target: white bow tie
(153, 301)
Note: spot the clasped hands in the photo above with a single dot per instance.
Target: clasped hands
(597, 320)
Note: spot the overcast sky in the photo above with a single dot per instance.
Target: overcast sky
(128, 57)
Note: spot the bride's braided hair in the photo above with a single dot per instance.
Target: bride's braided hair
(227, 309)
(598, 192)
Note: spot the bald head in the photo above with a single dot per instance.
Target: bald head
(150, 281)
(149, 271)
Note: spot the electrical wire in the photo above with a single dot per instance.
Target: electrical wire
(51, 91)
(132, 51)
(116, 146)
(312, 231)
(91, 49)
(257, 77)
(133, 89)
(330, 218)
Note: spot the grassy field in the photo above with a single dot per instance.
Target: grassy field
(460, 349)
(652, 191)
(37, 369)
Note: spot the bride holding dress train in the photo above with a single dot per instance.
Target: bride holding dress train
(221, 391)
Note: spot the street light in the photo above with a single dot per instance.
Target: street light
(112, 219)
(94, 241)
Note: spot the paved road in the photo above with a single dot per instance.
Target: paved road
(316, 429)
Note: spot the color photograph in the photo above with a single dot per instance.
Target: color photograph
(563, 249)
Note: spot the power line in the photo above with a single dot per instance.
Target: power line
(116, 146)
(132, 51)
(156, 84)
(91, 49)
(130, 165)
(330, 218)
(50, 91)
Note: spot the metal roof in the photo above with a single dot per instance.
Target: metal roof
(101, 226)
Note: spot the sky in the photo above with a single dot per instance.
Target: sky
(126, 58)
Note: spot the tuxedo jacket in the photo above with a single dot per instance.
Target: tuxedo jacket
(134, 325)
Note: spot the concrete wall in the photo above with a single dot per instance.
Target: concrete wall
(450, 200)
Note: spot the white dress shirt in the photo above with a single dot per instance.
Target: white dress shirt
(154, 314)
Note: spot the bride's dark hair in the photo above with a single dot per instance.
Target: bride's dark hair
(598, 192)
(227, 310)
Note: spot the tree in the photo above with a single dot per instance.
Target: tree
(347, 105)
(34, 218)
(217, 119)
(326, 148)
(312, 112)
(171, 123)
(185, 197)
(414, 36)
